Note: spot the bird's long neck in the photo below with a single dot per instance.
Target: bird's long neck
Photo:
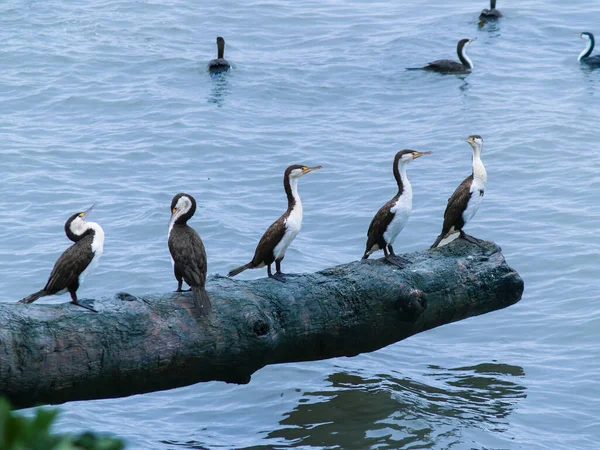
(220, 49)
(291, 190)
(588, 50)
(492, 4)
(98, 236)
(402, 179)
(464, 58)
(478, 167)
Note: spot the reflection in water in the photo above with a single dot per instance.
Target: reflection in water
(220, 88)
(389, 412)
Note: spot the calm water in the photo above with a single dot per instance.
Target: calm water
(108, 102)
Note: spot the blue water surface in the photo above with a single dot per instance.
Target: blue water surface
(108, 102)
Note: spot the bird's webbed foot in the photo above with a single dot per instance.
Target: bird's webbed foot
(397, 260)
(279, 276)
(89, 308)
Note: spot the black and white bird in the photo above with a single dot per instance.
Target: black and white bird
(489, 15)
(220, 64)
(278, 237)
(75, 263)
(447, 66)
(392, 217)
(465, 200)
(585, 56)
(187, 251)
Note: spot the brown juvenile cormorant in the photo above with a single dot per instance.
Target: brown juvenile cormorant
(220, 64)
(187, 251)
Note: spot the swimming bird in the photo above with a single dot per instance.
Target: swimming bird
(447, 66)
(465, 200)
(584, 56)
(220, 64)
(273, 244)
(489, 15)
(187, 251)
(75, 263)
(392, 217)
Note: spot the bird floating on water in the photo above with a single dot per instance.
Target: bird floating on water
(447, 66)
(465, 200)
(187, 251)
(392, 217)
(584, 56)
(489, 15)
(75, 263)
(274, 243)
(220, 64)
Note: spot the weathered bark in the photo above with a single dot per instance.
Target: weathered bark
(59, 353)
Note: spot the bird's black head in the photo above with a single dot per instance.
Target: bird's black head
(405, 156)
(464, 42)
(586, 35)
(296, 171)
(75, 226)
(183, 207)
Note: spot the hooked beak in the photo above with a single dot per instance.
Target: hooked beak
(87, 212)
(310, 169)
(471, 40)
(419, 154)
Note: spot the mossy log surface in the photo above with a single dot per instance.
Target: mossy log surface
(58, 353)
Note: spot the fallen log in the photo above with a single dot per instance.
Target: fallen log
(60, 353)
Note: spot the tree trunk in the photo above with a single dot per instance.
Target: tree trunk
(59, 353)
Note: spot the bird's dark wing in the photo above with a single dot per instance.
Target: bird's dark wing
(69, 266)
(457, 203)
(189, 255)
(379, 224)
(446, 66)
(593, 60)
(268, 242)
(218, 63)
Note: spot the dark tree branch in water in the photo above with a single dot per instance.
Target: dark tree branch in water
(59, 353)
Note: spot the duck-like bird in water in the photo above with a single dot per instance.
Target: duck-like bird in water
(76, 261)
(489, 15)
(447, 66)
(220, 64)
(585, 56)
(278, 237)
(465, 200)
(187, 251)
(392, 217)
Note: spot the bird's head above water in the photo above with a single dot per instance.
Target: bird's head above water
(406, 156)
(586, 35)
(297, 171)
(475, 141)
(76, 226)
(183, 207)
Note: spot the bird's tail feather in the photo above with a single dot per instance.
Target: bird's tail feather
(438, 240)
(33, 297)
(239, 270)
(202, 301)
(414, 68)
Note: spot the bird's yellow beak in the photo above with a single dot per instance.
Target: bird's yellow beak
(419, 154)
(306, 170)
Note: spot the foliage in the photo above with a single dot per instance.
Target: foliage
(18, 432)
